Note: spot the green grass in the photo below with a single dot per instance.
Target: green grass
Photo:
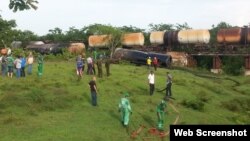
(56, 107)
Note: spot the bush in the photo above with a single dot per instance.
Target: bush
(237, 105)
(233, 65)
(203, 96)
(194, 104)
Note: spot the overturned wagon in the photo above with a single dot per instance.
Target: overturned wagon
(140, 57)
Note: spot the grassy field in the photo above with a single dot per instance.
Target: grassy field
(56, 107)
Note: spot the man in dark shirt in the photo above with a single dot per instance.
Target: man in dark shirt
(107, 65)
(99, 67)
(169, 84)
(93, 90)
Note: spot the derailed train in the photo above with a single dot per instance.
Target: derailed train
(228, 36)
(140, 57)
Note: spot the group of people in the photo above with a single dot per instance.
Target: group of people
(125, 107)
(153, 63)
(162, 106)
(151, 82)
(9, 65)
(80, 65)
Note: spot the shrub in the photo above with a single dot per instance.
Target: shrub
(237, 105)
(233, 65)
(194, 104)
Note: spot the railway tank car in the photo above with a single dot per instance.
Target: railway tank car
(193, 37)
(98, 40)
(234, 35)
(133, 39)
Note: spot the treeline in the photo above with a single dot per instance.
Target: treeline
(8, 33)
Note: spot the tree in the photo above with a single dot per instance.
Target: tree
(215, 29)
(74, 34)
(131, 29)
(184, 26)
(55, 35)
(115, 35)
(6, 31)
(161, 27)
(20, 5)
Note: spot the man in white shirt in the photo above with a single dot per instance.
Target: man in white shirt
(151, 81)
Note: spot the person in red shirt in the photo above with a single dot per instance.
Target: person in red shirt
(155, 63)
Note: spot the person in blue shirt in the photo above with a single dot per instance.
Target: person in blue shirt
(23, 64)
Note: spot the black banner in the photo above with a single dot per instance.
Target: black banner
(211, 132)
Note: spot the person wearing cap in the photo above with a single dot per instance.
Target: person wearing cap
(151, 81)
(125, 109)
(161, 110)
(149, 61)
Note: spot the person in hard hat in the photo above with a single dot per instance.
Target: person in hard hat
(40, 65)
(125, 109)
(149, 61)
(161, 110)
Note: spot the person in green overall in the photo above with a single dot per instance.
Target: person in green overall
(161, 110)
(125, 109)
(40, 65)
(95, 55)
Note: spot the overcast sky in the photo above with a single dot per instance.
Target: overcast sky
(199, 14)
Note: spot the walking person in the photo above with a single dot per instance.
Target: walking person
(93, 91)
(23, 64)
(30, 60)
(4, 65)
(40, 65)
(161, 110)
(155, 63)
(151, 82)
(18, 65)
(125, 109)
(10, 64)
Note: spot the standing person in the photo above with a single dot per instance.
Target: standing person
(155, 63)
(149, 61)
(151, 81)
(4, 65)
(161, 110)
(107, 66)
(40, 65)
(89, 63)
(18, 66)
(30, 60)
(95, 54)
(23, 64)
(99, 67)
(125, 109)
(169, 84)
(79, 66)
(93, 65)
(10, 64)
(93, 90)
